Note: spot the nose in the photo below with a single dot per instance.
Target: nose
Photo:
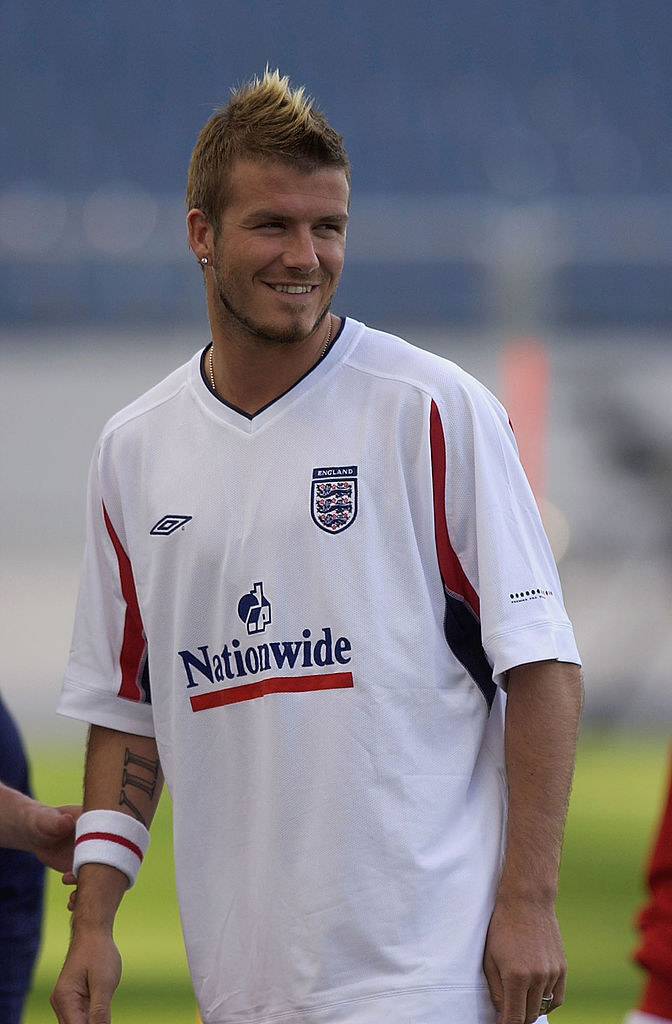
(300, 252)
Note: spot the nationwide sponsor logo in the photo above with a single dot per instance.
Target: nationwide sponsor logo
(333, 497)
(236, 662)
(204, 667)
(168, 525)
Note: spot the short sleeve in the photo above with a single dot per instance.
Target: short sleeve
(496, 533)
(107, 676)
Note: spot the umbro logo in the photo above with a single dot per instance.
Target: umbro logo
(168, 525)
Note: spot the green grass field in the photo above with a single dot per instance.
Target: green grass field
(617, 797)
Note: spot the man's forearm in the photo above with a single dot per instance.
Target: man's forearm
(523, 960)
(122, 774)
(542, 718)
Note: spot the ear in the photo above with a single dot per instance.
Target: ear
(200, 233)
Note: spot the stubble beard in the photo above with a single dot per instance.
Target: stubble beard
(291, 335)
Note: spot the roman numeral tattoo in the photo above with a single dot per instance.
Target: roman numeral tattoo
(131, 779)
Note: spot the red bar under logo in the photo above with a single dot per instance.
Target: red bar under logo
(262, 687)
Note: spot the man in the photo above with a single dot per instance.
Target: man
(32, 835)
(314, 566)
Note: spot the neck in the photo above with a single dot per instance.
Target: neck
(249, 373)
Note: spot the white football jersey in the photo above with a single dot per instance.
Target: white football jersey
(313, 609)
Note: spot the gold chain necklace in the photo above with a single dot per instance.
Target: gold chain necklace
(321, 355)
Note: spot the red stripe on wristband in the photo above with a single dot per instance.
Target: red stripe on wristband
(111, 837)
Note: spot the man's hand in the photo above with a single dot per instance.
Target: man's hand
(90, 975)
(524, 960)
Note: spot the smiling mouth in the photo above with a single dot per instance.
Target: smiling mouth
(293, 289)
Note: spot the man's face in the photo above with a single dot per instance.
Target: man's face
(279, 254)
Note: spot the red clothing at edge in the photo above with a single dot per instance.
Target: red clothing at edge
(655, 922)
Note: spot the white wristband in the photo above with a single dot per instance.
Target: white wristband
(110, 837)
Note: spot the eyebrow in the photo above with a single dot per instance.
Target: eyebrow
(329, 218)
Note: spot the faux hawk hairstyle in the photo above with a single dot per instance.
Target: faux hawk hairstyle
(265, 120)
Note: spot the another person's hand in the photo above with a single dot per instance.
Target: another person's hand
(50, 832)
(70, 879)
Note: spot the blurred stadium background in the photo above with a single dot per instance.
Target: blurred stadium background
(511, 171)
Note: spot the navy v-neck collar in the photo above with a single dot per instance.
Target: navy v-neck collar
(251, 416)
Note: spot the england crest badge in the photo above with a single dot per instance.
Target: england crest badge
(333, 497)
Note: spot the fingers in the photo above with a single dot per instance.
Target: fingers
(70, 1011)
(69, 879)
(53, 823)
(558, 991)
(90, 975)
(70, 1004)
(494, 984)
(74, 810)
(535, 1007)
(517, 998)
(524, 1006)
(555, 989)
(523, 961)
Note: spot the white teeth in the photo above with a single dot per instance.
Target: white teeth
(293, 289)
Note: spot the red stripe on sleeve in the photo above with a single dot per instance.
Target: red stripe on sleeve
(452, 573)
(134, 645)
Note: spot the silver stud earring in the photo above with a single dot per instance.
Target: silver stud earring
(204, 260)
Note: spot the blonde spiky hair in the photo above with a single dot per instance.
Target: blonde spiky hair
(265, 120)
